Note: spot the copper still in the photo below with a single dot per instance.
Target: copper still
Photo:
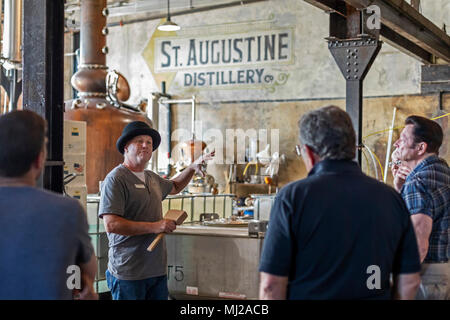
(99, 102)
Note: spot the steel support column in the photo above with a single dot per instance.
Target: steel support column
(354, 49)
(43, 77)
(353, 105)
(354, 58)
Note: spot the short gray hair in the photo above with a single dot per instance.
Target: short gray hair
(329, 132)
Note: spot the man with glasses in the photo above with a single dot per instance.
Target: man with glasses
(423, 179)
(337, 234)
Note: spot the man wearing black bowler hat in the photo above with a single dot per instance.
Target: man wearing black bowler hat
(131, 209)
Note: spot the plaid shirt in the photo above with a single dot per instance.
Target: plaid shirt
(427, 190)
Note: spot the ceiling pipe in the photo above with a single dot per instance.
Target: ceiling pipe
(89, 80)
(12, 34)
(179, 13)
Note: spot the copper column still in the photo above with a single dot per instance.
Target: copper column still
(105, 118)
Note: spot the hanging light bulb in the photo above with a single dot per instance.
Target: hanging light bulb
(168, 25)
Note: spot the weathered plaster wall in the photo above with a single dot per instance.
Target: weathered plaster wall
(314, 73)
(313, 77)
(283, 116)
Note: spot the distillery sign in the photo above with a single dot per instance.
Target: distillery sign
(225, 60)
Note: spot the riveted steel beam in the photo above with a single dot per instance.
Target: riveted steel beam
(354, 58)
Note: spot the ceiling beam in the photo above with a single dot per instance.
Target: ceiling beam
(391, 36)
(406, 46)
(406, 21)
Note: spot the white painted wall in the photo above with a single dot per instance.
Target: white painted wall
(313, 75)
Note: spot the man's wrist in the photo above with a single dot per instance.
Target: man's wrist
(192, 166)
(152, 227)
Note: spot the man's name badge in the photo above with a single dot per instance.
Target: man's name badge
(139, 186)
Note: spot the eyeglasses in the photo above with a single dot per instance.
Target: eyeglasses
(299, 147)
(298, 150)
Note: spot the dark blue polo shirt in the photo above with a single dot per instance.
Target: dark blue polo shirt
(328, 231)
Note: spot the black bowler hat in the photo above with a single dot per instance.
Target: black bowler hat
(134, 129)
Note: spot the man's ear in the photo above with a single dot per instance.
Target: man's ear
(39, 162)
(125, 147)
(422, 148)
(312, 157)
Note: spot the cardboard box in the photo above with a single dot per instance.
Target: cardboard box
(75, 163)
(74, 136)
(79, 193)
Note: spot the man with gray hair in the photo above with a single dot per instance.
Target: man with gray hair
(337, 234)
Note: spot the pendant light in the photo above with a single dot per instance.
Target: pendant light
(168, 25)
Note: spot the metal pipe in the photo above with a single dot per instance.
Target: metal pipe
(169, 136)
(388, 151)
(170, 101)
(12, 90)
(5, 103)
(193, 105)
(12, 34)
(178, 13)
(2, 28)
(156, 106)
(193, 118)
(89, 80)
(374, 163)
(92, 40)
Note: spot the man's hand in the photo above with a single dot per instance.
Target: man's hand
(87, 293)
(181, 180)
(88, 271)
(395, 162)
(406, 285)
(199, 165)
(400, 176)
(272, 287)
(166, 226)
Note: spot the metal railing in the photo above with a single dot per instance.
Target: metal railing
(190, 204)
(96, 236)
(194, 204)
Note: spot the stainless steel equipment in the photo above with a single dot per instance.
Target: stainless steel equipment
(208, 216)
(257, 229)
(213, 263)
(262, 204)
(99, 240)
(195, 205)
(11, 54)
(204, 262)
(12, 34)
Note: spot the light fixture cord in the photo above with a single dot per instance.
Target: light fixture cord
(168, 10)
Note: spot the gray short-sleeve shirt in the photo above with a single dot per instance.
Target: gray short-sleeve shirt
(125, 195)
